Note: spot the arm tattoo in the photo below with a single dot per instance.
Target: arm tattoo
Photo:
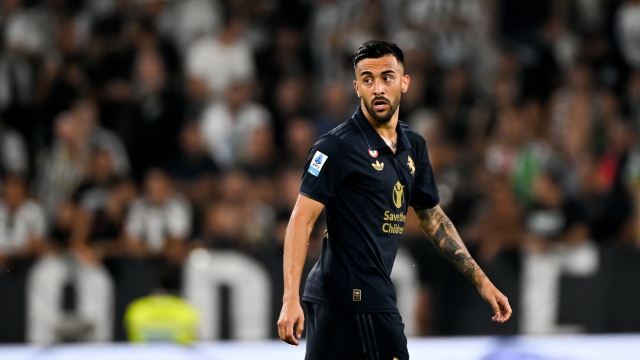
(454, 253)
(444, 236)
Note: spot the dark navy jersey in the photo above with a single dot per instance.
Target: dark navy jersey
(366, 190)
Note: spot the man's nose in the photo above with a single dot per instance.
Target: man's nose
(378, 88)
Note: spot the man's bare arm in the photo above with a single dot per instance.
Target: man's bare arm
(296, 242)
(440, 230)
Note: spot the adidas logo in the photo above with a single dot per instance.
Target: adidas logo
(378, 165)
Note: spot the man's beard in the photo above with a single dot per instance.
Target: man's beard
(383, 117)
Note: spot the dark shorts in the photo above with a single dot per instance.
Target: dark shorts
(336, 335)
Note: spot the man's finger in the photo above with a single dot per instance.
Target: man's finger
(288, 333)
(299, 327)
(506, 308)
(496, 310)
(281, 330)
(285, 332)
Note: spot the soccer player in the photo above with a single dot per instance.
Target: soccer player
(366, 173)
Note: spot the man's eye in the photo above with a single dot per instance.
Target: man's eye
(387, 78)
(368, 81)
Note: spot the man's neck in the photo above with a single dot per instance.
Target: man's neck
(388, 129)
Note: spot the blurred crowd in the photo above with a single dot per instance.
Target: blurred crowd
(148, 128)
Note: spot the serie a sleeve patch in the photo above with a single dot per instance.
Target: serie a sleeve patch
(316, 164)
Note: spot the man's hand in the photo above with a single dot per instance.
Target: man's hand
(290, 315)
(499, 303)
(445, 237)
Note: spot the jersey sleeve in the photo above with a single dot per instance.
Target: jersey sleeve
(325, 169)
(425, 192)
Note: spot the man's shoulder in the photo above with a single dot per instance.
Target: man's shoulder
(411, 134)
(416, 140)
(343, 131)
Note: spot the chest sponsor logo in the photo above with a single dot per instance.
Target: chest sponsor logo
(393, 222)
(317, 163)
(373, 153)
(398, 195)
(411, 165)
(378, 165)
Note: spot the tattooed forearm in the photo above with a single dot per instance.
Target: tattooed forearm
(451, 250)
(444, 236)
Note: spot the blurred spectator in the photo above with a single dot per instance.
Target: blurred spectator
(553, 218)
(25, 29)
(22, 223)
(286, 56)
(158, 114)
(632, 98)
(147, 38)
(228, 125)
(21, 39)
(335, 106)
(59, 85)
(287, 187)
(14, 155)
(159, 223)
(576, 114)
(187, 21)
(101, 173)
(457, 33)
(564, 45)
(16, 82)
(515, 152)
(100, 226)
(251, 204)
(609, 66)
(628, 31)
(62, 226)
(213, 64)
(222, 227)
(327, 18)
(456, 105)
(605, 208)
(484, 118)
(518, 21)
(289, 99)
(300, 136)
(366, 20)
(62, 167)
(492, 238)
(86, 112)
(162, 317)
(261, 156)
(192, 170)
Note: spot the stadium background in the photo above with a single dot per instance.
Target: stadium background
(153, 146)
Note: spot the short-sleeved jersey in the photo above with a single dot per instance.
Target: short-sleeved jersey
(366, 190)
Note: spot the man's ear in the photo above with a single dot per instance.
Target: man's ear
(406, 80)
(355, 86)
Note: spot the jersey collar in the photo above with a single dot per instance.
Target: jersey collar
(373, 139)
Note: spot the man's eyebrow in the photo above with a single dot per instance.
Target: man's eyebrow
(367, 72)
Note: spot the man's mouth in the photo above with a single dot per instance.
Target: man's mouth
(380, 105)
